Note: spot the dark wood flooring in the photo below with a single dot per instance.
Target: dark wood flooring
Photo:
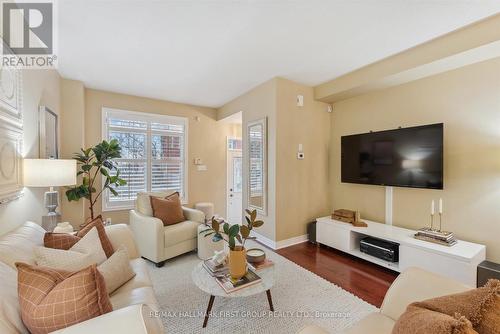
(362, 278)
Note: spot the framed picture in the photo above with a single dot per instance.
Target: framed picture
(48, 134)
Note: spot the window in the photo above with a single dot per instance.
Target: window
(153, 154)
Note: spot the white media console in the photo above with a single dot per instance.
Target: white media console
(458, 262)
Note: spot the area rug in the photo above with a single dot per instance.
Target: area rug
(300, 298)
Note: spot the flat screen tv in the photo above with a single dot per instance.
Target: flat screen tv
(408, 157)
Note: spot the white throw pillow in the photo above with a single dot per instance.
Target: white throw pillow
(10, 311)
(91, 244)
(84, 253)
(116, 270)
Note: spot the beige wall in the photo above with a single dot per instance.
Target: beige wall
(302, 185)
(467, 101)
(207, 140)
(298, 190)
(73, 134)
(256, 104)
(40, 87)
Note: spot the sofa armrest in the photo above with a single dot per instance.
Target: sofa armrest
(120, 234)
(133, 319)
(194, 215)
(149, 235)
(415, 284)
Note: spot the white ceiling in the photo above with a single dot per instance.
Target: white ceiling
(209, 52)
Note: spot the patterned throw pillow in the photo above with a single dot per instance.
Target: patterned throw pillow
(168, 209)
(85, 252)
(66, 241)
(53, 299)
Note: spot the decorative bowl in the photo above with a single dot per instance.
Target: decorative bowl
(255, 255)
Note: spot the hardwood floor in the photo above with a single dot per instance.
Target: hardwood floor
(363, 279)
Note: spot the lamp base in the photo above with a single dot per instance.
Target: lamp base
(49, 222)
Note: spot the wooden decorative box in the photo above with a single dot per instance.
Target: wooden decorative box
(348, 216)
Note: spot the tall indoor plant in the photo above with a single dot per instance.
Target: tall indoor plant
(235, 236)
(93, 163)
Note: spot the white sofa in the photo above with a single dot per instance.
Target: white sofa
(412, 285)
(156, 242)
(132, 302)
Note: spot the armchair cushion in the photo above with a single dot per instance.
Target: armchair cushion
(409, 288)
(168, 209)
(178, 233)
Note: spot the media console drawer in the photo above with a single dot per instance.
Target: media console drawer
(332, 236)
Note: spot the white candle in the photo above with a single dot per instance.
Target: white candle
(440, 206)
(432, 207)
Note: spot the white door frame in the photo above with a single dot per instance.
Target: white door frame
(229, 172)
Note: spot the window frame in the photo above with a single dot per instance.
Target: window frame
(106, 112)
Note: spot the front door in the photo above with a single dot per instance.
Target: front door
(234, 186)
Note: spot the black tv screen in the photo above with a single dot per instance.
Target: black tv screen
(409, 157)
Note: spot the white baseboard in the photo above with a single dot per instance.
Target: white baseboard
(264, 240)
(279, 244)
(291, 241)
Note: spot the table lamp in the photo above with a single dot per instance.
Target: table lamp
(49, 173)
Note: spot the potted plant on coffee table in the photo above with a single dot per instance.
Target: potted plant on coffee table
(235, 236)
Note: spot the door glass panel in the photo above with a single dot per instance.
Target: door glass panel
(237, 174)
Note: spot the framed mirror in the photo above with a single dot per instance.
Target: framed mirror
(257, 165)
(48, 133)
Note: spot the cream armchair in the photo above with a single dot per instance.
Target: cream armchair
(414, 284)
(156, 242)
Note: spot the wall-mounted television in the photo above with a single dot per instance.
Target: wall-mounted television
(406, 157)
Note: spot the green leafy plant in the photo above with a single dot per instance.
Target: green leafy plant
(95, 162)
(233, 233)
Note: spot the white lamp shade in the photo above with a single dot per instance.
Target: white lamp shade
(49, 172)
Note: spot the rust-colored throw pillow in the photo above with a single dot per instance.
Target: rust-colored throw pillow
(168, 209)
(66, 241)
(59, 240)
(417, 320)
(105, 242)
(481, 307)
(54, 299)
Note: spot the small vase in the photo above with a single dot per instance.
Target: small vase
(237, 262)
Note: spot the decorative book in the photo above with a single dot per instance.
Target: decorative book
(229, 285)
(262, 265)
(215, 269)
(438, 241)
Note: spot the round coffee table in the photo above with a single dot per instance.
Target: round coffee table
(207, 283)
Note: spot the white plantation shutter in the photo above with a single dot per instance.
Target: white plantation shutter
(256, 163)
(153, 154)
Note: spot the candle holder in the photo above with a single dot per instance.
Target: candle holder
(432, 221)
(440, 221)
